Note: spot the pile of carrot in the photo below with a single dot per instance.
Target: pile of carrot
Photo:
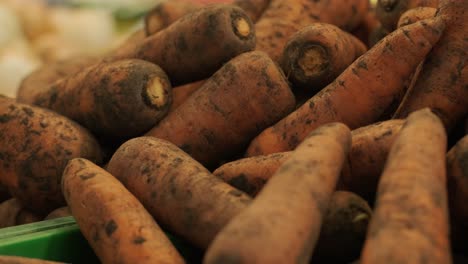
(256, 131)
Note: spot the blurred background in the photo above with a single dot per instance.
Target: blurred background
(36, 32)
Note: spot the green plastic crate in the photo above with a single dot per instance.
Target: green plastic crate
(61, 240)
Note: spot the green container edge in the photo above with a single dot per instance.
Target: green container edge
(61, 240)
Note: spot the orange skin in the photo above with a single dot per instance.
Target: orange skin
(442, 83)
(248, 94)
(281, 19)
(113, 221)
(289, 208)
(411, 220)
(361, 94)
(178, 191)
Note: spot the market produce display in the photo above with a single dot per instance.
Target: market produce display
(255, 131)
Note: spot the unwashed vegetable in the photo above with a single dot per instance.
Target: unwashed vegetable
(113, 221)
(117, 100)
(410, 221)
(35, 146)
(442, 84)
(13, 213)
(282, 224)
(246, 95)
(317, 54)
(389, 11)
(179, 193)
(416, 14)
(361, 94)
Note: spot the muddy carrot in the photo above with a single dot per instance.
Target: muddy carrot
(281, 19)
(344, 227)
(442, 83)
(246, 95)
(113, 221)
(361, 172)
(167, 12)
(41, 79)
(290, 207)
(116, 100)
(317, 54)
(412, 198)
(361, 94)
(13, 213)
(457, 183)
(389, 11)
(178, 192)
(35, 145)
(416, 14)
(198, 44)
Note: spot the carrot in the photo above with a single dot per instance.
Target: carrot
(251, 174)
(186, 50)
(410, 222)
(130, 42)
(181, 93)
(35, 146)
(389, 11)
(370, 147)
(344, 227)
(317, 54)
(41, 79)
(13, 213)
(24, 260)
(167, 12)
(457, 183)
(180, 193)
(361, 172)
(246, 95)
(442, 83)
(361, 94)
(282, 19)
(416, 14)
(58, 213)
(112, 220)
(125, 105)
(289, 208)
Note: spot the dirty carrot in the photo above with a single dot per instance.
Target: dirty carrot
(442, 83)
(416, 14)
(290, 207)
(457, 183)
(410, 221)
(361, 172)
(36, 145)
(179, 192)
(389, 11)
(248, 94)
(361, 94)
(344, 227)
(121, 99)
(113, 221)
(281, 19)
(197, 45)
(317, 54)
